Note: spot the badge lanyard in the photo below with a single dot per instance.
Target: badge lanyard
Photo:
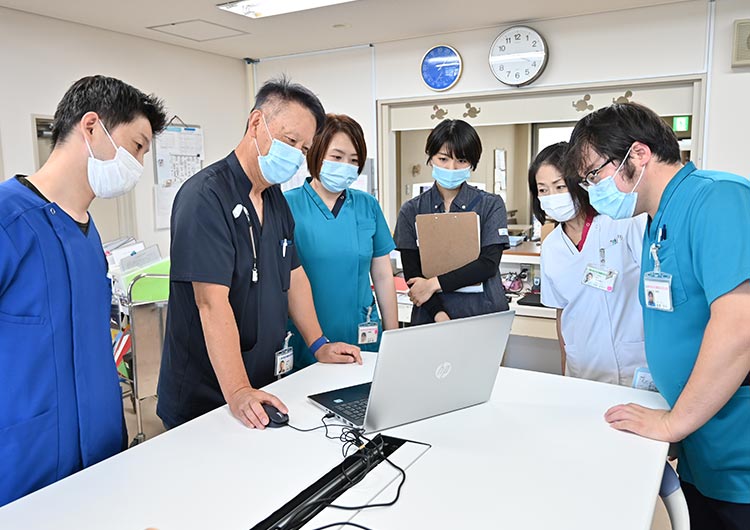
(284, 358)
(657, 285)
(236, 212)
(367, 331)
(600, 276)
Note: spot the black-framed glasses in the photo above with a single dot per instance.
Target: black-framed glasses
(592, 177)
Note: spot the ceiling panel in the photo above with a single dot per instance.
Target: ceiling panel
(359, 22)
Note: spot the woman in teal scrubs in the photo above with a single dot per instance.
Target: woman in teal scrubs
(342, 239)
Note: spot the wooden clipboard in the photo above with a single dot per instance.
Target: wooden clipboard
(447, 241)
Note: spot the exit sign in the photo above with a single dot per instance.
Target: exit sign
(681, 123)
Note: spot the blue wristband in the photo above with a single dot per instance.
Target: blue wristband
(315, 346)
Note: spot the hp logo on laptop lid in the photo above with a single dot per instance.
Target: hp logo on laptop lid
(443, 369)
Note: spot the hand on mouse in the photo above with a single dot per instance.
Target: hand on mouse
(246, 405)
(338, 352)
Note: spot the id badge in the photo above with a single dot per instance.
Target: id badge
(657, 291)
(367, 332)
(643, 380)
(599, 278)
(284, 361)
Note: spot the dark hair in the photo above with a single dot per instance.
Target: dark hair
(113, 100)
(554, 155)
(460, 139)
(282, 90)
(336, 123)
(611, 131)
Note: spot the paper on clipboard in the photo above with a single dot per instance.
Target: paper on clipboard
(448, 241)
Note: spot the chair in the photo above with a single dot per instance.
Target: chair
(674, 499)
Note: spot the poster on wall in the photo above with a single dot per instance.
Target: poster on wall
(178, 155)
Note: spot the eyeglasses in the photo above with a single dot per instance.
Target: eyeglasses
(592, 177)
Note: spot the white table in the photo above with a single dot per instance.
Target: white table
(538, 455)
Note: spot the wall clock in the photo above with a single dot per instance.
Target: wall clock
(441, 67)
(518, 56)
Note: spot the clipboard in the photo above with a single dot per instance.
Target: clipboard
(447, 241)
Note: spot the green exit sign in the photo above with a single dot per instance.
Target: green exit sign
(681, 123)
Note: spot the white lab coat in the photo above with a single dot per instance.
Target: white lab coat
(603, 332)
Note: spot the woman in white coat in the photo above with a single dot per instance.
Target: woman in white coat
(590, 273)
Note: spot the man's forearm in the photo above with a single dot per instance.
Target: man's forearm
(302, 308)
(223, 344)
(722, 365)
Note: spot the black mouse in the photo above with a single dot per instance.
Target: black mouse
(275, 416)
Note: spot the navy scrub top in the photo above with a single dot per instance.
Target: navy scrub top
(210, 245)
(493, 222)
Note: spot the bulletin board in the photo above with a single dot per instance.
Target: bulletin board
(178, 155)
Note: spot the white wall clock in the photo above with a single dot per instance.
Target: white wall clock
(518, 56)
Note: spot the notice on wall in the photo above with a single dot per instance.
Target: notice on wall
(178, 155)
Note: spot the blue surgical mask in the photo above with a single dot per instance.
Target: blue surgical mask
(607, 199)
(281, 162)
(337, 176)
(450, 179)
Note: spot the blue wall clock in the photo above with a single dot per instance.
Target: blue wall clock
(441, 67)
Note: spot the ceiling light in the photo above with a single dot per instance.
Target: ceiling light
(269, 8)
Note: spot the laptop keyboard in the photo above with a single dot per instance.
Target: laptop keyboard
(354, 410)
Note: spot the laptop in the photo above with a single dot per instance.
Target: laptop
(424, 371)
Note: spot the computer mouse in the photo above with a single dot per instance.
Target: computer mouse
(275, 416)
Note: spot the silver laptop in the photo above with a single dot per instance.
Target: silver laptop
(423, 371)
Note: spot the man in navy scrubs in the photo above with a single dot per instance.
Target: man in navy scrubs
(695, 293)
(60, 400)
(235, 276)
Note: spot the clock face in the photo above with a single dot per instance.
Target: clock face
(441, 67)
(518, 56)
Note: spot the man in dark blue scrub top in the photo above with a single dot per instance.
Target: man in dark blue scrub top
(235, 276)
(695, 294)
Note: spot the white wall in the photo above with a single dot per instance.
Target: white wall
(40, 57)
(660, 41)
(729, 98)
(342, 79)
(647, 42)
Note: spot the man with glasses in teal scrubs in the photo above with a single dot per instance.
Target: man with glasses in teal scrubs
(695, 322)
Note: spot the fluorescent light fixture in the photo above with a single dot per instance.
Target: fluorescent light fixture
(269, 8)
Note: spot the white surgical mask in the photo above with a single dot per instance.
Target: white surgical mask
(112, 178)
(559, 206)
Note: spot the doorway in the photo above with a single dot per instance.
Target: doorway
(514, 125)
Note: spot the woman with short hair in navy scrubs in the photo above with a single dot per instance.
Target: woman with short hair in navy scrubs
(453, 150)
(342, 239)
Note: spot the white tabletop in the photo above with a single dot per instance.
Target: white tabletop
(538, 455)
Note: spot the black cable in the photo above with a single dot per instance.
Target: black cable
(379, 449)
(293, 522)
(353, 437)
(325, 426)
(342, 524)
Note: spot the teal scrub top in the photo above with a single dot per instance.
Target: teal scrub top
(336, 254)
(707, 252)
